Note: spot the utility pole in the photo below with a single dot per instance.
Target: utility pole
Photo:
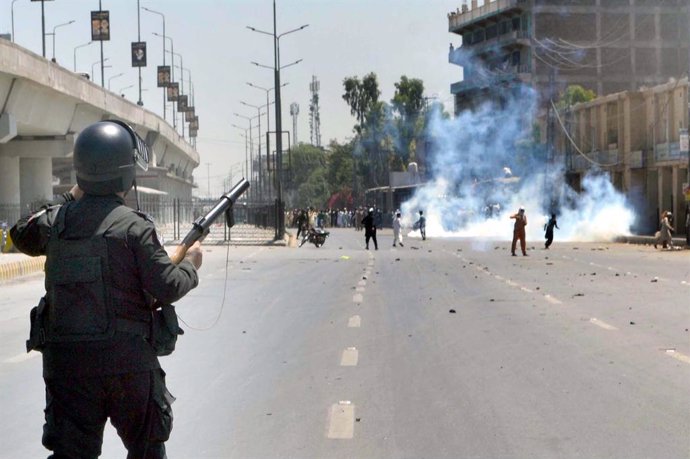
(208, 178)
(550, 139)
(100, 8)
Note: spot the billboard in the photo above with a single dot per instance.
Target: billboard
(182, 103)
(173, 90)
(163, 76)
(138, 54)
(100, 25)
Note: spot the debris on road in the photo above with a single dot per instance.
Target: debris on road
(397, 259)
(578, 294)
(632, 323)
(452, 311)
(656, 279)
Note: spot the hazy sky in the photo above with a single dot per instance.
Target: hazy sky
(344, 38)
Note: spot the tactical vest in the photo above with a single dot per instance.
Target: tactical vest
(79, 286)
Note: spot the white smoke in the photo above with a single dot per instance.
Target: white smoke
(468, 164)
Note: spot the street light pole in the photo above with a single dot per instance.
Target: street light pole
(53, 34)
(280, 230)
(246, 155)
(181, 86)
(112, 78)
(98, 62)
(258, 111)
(12, 13)
(100, 8)
(162, 16)
(75, 53)
(172, 71)
(43, 26)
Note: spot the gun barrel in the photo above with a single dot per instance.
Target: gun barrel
(203, 224)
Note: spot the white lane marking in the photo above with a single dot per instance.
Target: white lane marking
(498, 277)
(23, 357)
(551, 299)
(341, 421)
(370, 263)
(362, 283)
(602, 324)
(350, 357)
(357, 298)
(525, 289)
(511, 283)
(360, 289)
(354, 322)
(678, 356)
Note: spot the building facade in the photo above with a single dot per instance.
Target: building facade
(634, 136)
(607, 46)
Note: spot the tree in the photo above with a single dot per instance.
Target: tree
(407, 103)
(574, 94)
(361, 97)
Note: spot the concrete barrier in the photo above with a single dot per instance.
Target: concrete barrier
(20, 268)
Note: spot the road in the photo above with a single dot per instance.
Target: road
(441, 349)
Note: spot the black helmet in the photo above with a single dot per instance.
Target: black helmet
(105, 156)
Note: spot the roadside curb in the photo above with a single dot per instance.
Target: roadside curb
(20, 268)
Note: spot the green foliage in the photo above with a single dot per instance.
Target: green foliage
(305, 160)
(574, 94)
(408, 104)
(361, 96)
(315, 191)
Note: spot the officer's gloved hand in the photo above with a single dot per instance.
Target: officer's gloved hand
(194, 255)
(76, 192)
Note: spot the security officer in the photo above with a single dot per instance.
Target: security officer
(104, 265)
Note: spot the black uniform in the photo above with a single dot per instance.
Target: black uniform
(117, 376)
(370, 230)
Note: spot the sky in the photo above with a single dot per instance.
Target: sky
(344, 38)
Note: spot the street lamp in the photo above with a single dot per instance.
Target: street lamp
(75, 53)
(246, 155)
(181, 84)
(12, 13)
(53, 34)
(162, 16)
(280, 227)
(250, 168)
(112, 78)
(172, 69)
(126, 87)
(98, 62)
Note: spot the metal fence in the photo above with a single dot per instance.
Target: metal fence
(254, 223)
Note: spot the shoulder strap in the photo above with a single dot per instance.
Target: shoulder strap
(116, 214)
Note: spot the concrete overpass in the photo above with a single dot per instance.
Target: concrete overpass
(44, 106)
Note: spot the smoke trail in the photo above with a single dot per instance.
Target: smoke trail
(470, 195)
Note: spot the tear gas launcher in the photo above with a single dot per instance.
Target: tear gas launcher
(202, 225)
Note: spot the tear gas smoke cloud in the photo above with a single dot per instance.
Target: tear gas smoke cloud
(467, 161)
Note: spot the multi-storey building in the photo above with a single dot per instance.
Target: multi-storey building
(634, 136)
(607, 46)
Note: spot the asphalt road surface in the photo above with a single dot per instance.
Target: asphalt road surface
(441, 349)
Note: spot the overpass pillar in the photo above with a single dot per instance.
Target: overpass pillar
(9, 188)
(35, 181)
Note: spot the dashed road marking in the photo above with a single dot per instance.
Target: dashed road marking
(552, 300)
(23, 357)
(357, 298)
(362, 283)
(498, 277)
(350, 357)
(525, 289)
(341, 421)
(354, 322)
(678, 356)
(512, 284)
(360, 289)
(602, 324)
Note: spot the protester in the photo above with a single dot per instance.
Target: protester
(665, 235)
(397, 233)
(519, 231)
(548, 227)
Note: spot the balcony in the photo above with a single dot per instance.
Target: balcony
(665, 152)
(458, 20)
(507, 40)
(517, 73)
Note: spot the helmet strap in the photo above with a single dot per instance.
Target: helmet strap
(136, 195)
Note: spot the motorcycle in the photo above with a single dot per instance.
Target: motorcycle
(316, 236)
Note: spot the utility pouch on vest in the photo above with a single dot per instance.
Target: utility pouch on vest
(165, 329)
(78, 284)
(37, 334)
